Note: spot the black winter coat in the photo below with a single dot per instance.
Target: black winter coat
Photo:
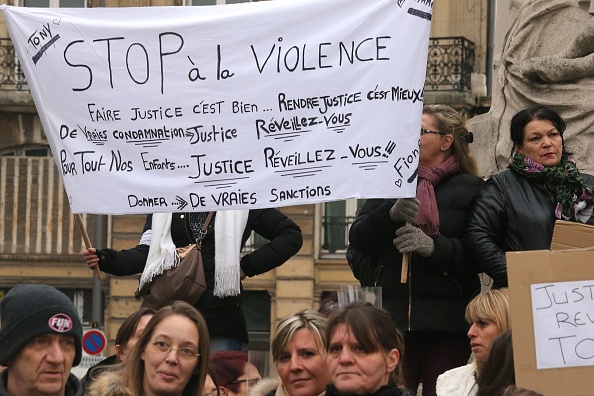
(388, 390)
(440, 286)
(224, 316)
(511, 213)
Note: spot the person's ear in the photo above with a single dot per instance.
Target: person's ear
(447, 142)
(120, 352)
(222, 391)
(519, 149)
(392, 360)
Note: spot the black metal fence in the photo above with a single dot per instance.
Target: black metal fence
(449, 64)
(11, 74)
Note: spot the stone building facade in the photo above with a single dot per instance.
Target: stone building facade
(40, 242)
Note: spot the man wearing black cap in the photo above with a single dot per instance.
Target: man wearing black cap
(40, 341)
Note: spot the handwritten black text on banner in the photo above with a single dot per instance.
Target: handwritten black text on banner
(240, 106)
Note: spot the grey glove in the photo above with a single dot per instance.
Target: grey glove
(405, 209)
(413, 240)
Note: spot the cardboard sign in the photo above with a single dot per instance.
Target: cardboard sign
(240, 106)
(563, 314)
(531, 275)
(570, 235)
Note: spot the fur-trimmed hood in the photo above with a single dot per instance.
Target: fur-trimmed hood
(109, 383)
(267, 385)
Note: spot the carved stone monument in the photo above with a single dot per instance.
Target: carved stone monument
(545, 56)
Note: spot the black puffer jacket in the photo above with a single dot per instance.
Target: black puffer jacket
(224, 316)
(511, 213)
(439, 286)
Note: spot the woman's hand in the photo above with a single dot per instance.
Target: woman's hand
(411, 239)
(405, 209)
(91, 257)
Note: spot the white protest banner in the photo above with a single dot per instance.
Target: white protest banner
(253, 105)
(563, 323)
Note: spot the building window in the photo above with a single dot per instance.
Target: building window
(256, 308)
(336, 221)
(33, 150)
(83, 302)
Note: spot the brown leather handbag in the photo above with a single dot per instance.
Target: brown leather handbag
(186, 282)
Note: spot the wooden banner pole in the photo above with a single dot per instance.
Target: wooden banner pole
(87, 241)
(405, 263)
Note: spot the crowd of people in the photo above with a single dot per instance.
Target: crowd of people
(459, 226)
(436, 328)
(355, 349)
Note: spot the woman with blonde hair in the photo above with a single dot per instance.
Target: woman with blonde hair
(169, 359)
(299, 353)
(488, 315)
(429, 307)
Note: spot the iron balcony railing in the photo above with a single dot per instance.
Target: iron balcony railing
(12, 77)
(449, 65)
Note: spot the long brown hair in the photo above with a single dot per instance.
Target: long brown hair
(135, 364)
(498, 371)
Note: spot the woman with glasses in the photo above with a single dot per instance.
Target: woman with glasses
(170, 358)
(428, 303)
(299, 354)
(233, 374)
(364, 352)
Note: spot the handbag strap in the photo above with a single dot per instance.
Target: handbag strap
(204, 227)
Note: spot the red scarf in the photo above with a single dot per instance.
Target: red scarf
(428, 215)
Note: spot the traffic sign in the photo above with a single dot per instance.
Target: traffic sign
(93, 342)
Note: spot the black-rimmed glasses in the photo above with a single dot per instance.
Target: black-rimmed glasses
(425, 131)
(183, 352)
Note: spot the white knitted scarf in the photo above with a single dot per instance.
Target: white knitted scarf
(229, 227)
